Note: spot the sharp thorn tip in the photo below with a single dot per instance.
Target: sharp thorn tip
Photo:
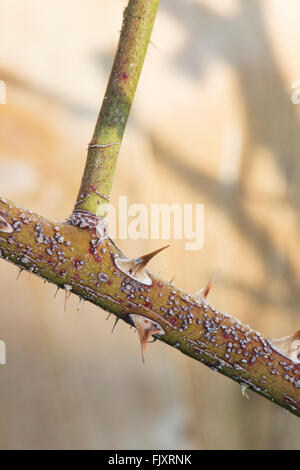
(115, 324)
(19, 273)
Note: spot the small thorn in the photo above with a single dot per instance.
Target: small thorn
(244, 391)
(57, 289)
(108, 316)
(67, 295)
(203, 293)
(170, 282)
(115, 324)
(146, 328)
(68, 290)
(81, 300)
(135, 267)
(19, 273)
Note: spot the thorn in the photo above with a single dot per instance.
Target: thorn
(203, 293)
(81, 300)
(135, 267)
(146, 328)
(115, 324)
(171, 280)
(68, 290)
(209, 285)
(57, 289)
(288, 346)
(244, 391)
(108, 316)
(19, 273)
(67, 295)
(144, 260)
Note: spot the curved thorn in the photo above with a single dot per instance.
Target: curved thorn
(144, 260)
(135, 267)
(146, 328)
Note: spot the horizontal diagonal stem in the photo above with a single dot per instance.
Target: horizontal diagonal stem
(77, 260)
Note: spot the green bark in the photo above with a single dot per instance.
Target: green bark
(101, 161)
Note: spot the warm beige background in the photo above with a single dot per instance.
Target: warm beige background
(212, 123)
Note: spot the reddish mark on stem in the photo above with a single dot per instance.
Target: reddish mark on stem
(125, 76)
(93, 252)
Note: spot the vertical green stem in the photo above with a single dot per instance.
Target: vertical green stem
(104, 149)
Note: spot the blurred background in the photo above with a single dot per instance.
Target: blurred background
(213, 122)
